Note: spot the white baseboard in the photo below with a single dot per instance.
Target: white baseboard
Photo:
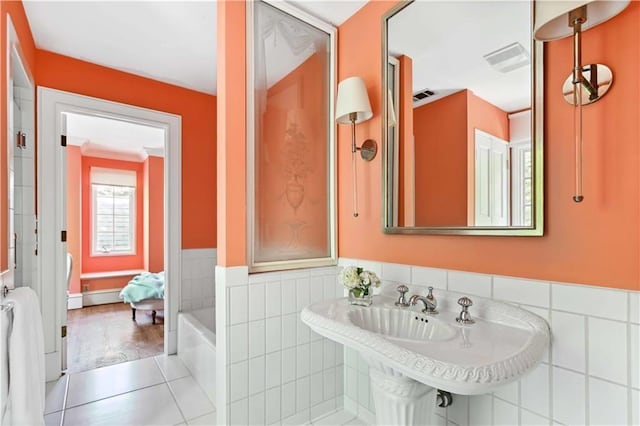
(101, 297)
(74, 301)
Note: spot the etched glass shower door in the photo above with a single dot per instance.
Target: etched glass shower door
(292, 211)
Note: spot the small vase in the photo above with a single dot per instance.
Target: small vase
(360, 299)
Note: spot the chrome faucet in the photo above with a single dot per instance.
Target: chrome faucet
(429, 301)
(402, 302)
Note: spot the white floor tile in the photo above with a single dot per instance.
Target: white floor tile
(172, 367)
(105, 382)
(192, 400)
(55, 393)
(53, 419)
(145, 407)
(206, 420)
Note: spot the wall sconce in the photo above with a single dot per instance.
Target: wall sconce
(586, 83)
(353, 107)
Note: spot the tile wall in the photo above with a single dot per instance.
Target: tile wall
(24, 190)
(274, 369)
(590, 376)
(198, 279)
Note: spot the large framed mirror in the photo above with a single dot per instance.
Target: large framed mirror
(462, 127)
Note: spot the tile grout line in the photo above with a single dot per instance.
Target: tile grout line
(587, 371)
(64, 400)
(175, 400)
(115, 395)
(550, 356)
(629, 364)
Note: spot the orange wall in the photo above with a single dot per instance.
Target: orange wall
(440, 130)
(15, 10)
(486, 117)
(74, 214)
(107, 283)
(595, 242)
(198, 112)
(232, 134)
(154, 200)
(445, 155)
(291, 170)
(150, 220)
(111, 263)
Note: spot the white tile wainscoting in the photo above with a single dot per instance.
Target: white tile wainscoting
(23, 206)
(271, 368)
(198, 278)
(591, 374)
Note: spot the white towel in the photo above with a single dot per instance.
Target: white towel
(26, 361)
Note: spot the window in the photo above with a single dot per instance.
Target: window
(522, 185)
(113, 194)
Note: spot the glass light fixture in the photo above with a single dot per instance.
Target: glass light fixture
(353, 107)
(586, 83)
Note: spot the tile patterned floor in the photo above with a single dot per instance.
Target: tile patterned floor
(154, 391)
(147, 392)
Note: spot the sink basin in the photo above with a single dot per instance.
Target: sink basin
(401, 324)
(410, 353)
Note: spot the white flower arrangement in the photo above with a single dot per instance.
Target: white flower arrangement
(358, 280)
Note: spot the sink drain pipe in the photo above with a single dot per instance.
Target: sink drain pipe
(444, 398)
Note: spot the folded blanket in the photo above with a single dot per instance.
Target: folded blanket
(144, 286)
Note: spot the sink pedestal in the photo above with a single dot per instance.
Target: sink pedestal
(400, 400)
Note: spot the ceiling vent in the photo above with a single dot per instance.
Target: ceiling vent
(423, 95)
(508, 58)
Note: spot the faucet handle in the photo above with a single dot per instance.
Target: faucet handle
(434, 303)
(465, 316)
(402, 289)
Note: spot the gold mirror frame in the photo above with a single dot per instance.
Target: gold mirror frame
(537, 122)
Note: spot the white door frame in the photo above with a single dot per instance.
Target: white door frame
(51, 217)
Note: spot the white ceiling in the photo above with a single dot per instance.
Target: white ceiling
(448, 39)
(105, 137)
(170, 41)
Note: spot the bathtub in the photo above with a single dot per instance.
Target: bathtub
(197, 347)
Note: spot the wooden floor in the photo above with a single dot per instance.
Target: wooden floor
(105, 334)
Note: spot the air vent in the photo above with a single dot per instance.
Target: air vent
(422, 95)
(508, 58)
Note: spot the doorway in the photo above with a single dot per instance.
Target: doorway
(57, 112)
(115, 241)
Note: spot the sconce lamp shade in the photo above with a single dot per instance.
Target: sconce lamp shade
(552, 22)
(352, 98)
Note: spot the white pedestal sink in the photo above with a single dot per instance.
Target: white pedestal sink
(411, 354)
